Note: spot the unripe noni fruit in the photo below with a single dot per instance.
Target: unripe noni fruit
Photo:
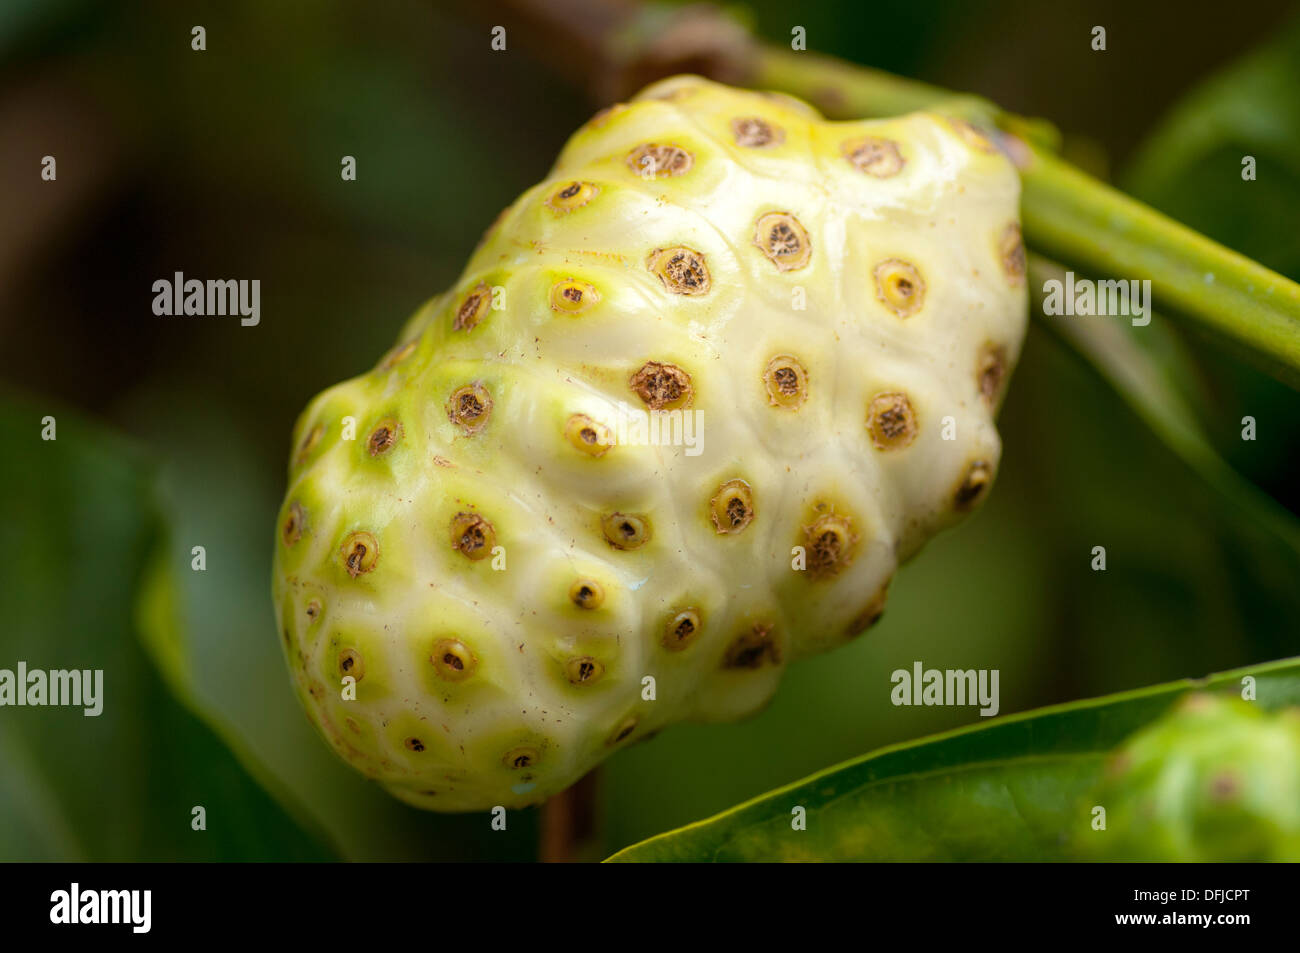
(694, 398)
(1215, 779)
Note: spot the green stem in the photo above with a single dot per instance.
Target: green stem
(1075, 218)
(839, 89)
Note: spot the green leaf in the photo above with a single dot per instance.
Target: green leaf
(1012, 789)
(80, 525)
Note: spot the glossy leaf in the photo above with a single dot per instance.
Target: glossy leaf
(1011, 789)
(79, 522)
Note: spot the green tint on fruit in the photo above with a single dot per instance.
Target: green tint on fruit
(694, 398)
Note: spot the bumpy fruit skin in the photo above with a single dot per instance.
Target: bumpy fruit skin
(500, 564)
(1216, 779)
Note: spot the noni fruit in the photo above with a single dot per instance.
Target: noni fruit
(1216, 779)
(694, 398)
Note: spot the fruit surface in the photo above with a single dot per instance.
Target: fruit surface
(694, 398)
(1216, 779)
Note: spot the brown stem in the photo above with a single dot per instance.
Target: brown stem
(570, 823)
(613, 48)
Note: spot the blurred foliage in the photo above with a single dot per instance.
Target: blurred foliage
(1008, 789)
(1151, 369)
(1191, 165)
(1191, 168)
(80, 521)
(226, 164)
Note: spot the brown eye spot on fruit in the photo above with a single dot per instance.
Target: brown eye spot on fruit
(828, 541)
(969, 134)
(473, 308)
(782, 240)
(623, 731)
(682, 270)
(1225, 787)
(732, 507)
(786, 382)
(899, 286)
(520, 758)
(751, 132)
(584, 670)
(1011, 251)
(754, 648)
(625, 530)
(681, 630)
(414, 744)
(472, 535)
(661, 386)
(588, 436)
(652, 160)
(572, 296)
(453, 660)
(309, 443)
(470, 407)
(351, 664)
(587, 594)
(570, 196)
(874, 156)
(891, 421)
(293, 524)
(360, 553)
(313, 612)
(990, 372)
(973, 484)
(384, 437)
